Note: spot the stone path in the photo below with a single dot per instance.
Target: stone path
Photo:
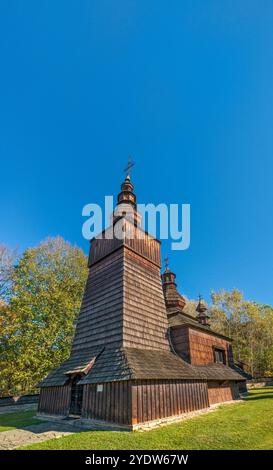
(36, 433)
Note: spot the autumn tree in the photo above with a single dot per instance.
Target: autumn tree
(249, 324)
(37, 326)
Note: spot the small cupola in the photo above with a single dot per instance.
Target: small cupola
(126, 204)
(202, 312)
(168, 277)
(172, 296)
(127, 196)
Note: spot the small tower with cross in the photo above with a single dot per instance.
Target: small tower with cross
(172, 297)
(127, 196)
(126, 205)
(202, 312)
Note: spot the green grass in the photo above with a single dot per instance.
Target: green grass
(247, 425)
(10, 421)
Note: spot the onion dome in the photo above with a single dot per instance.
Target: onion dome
(127, 196)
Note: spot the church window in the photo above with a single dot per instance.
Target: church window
(219, 356)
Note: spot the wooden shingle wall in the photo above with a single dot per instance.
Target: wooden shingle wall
(123, 303)
(100, 318)
(181, 342)
(201, 347)
(144, 312)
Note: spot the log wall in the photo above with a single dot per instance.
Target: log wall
(55, 400)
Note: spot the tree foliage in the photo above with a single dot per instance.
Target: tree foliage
(37, 324)
(249, 324)
(7, 260)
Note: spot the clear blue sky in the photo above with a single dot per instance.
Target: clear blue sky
(183, 86)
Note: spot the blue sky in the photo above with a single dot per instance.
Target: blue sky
(183, 86)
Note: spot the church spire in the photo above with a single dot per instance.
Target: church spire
(126, 205)
(202, 312)
(127, 196)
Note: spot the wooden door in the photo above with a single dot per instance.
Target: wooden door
(76, 397)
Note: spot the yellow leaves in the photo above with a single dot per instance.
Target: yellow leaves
(249, 324)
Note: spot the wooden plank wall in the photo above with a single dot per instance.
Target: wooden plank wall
(101, 247)
(133, 237)
(152, 399)
(112, 404)
(142, 243)
(132, 402)
(55, 400)
(220, 392)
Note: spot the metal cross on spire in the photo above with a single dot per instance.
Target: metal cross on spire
(166, 262)
(129, 167)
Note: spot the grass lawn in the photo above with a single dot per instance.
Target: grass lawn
(247, 425)
(17, 420)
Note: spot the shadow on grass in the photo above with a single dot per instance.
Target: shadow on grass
(258, 397)
(50, 426)
(62, 426)
(259, 394)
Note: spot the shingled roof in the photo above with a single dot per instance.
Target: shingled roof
(176, 318)
(115, 364)
(219, 372)
(134, 363)
(79, 362)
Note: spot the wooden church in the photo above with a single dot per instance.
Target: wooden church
(138, 358)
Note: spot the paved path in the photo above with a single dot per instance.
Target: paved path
(36, 433)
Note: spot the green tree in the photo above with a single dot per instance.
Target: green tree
(249, 324)
(38, 324)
